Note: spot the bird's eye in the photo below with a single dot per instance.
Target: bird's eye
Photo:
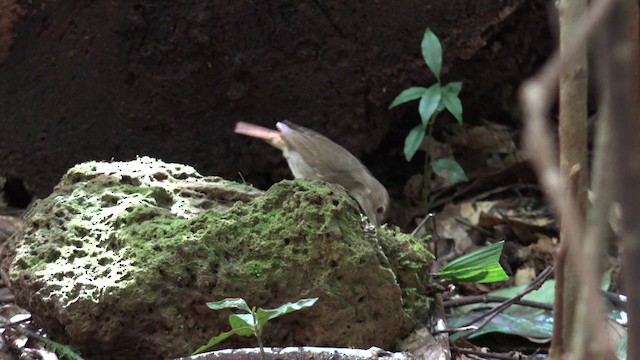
(380, 210)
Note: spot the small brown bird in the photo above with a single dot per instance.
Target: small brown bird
(311, 155)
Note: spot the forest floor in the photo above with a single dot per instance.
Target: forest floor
(501, 201)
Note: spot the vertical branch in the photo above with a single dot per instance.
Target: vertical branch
(536, 98)
(622, 81)
(559, 266)
(572, 135)
(572, 129)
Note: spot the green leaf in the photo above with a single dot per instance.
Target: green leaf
(606, 280)
(449, 169)
(432, 52)
(517, 320)
(520, 321)
(264, 315)
(227, 303)
(452, 102)
(407, 95)
(453, 87)
(215, 340)
(241, 321)
(413, 141)
(545, 294)
(247, 324)
(479, 266)
(429, 103)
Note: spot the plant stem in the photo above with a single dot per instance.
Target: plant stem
(262, 354)
(257, 331)
(426, 190)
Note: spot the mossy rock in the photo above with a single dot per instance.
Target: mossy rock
(120, 260)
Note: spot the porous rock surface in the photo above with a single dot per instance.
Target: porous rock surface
(120, 260)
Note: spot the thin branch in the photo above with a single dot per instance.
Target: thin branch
(514, 187)
(475, 299)
(483, 355)
(421, 224)
(489, 315)
(475, 227)
(437, 307)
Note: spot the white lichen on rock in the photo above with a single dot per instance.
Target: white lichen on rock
(120, 260)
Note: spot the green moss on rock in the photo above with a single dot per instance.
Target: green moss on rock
(120, 260)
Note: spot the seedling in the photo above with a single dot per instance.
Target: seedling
(433, 100)
(253, 322)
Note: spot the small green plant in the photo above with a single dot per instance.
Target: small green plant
(479, 266)
(253, 322)
(433, 100)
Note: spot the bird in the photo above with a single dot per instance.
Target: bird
(311, 155)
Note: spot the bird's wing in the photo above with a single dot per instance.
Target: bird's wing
(332, 162)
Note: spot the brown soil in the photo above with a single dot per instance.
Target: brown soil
(103, 79)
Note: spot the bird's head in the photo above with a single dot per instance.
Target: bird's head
(373, 199)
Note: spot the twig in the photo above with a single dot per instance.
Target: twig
(421, 224)
(474, 299)
(514, 187)
(15, 323)
(560, 262)
(436, 237)
(441, 200)
(437, 307)
(483, 355)
(475, 227)
(489, 315)
(440, 321)
(617, 299)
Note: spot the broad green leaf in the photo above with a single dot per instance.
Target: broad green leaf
(413, 141)
(449, 169)
(453, 87)
(545, 294)
(242, 323)
(236, 303)
(479, 266)
(429, 103)
(264, 315)
(407, 95)
(452, 102)
(215, 340)
(432, 52)
(516, 320)
(522, 321)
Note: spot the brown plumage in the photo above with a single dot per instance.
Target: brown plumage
(311, 155)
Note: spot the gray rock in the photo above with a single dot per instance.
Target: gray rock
(120, 260)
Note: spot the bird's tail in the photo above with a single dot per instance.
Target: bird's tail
(271, 136)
